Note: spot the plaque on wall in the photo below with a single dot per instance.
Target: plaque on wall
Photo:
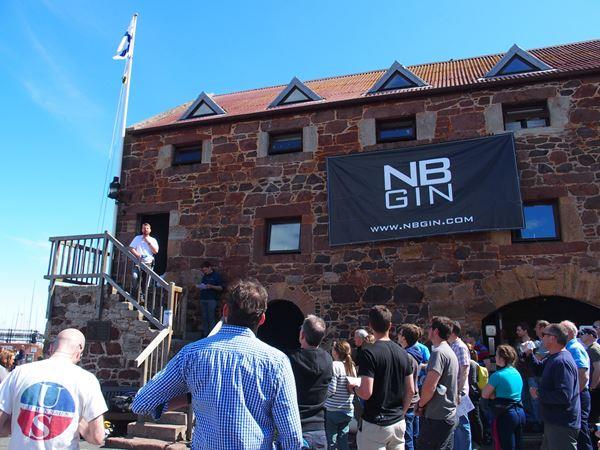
(98, 330)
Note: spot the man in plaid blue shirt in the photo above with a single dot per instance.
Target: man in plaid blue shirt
(242, 390)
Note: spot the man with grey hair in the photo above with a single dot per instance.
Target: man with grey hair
(50, 403)
(558, 392)
(313, 370)
(582, 361)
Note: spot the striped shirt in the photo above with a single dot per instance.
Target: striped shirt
(338, 397)
(243, 392)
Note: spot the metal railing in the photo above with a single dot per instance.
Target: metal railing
(100, 259)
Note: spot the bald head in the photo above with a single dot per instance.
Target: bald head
(70, 342)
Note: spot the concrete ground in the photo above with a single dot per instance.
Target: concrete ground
(84, 445)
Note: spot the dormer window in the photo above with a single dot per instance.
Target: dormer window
(516, 61)
(295, 92)
(204, 106)
(396, 77)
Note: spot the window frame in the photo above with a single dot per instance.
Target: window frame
(507, 108)
(512, 58)
(280, 134)
(516, 234)
(387, 122)
(281, 221)
(187, 147)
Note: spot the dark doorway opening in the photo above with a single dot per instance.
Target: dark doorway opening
(282, 326)
(160, 232)
(552, 309)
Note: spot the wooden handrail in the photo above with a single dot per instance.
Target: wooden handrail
(142, 357)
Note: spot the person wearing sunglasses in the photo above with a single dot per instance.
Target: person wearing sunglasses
(558, 392)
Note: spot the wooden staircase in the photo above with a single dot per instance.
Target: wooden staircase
(101, 260)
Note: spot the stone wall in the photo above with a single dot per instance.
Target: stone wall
(112, 361)
(218, 208)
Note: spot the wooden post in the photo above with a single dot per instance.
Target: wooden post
(103, 267)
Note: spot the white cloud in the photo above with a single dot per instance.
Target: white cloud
(30, 243)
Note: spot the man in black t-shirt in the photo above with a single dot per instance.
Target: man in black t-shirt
(386, 385)
(313, 370)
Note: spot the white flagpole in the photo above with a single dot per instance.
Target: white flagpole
(127, 82)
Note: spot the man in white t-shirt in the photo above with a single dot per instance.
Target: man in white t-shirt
(143, 247)
(48, 404)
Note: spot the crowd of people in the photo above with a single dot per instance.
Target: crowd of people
(400, 388)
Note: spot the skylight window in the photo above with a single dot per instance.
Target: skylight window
(396, 77)
(516, 61)
(204, 106)
(295, 92)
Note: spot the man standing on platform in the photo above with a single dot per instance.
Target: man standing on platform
(211, 287)
(143, 247)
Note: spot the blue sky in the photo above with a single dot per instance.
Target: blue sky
(59, 86)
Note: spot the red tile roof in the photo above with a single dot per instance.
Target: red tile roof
(467, 72)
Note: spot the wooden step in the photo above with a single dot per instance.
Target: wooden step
(164, 432)
(138, 443)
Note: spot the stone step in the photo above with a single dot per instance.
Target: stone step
(170, 418)
(138, 443)
(164, 432)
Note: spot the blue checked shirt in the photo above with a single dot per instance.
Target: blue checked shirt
(243, 392)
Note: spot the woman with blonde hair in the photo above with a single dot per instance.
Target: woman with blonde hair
(338, 406)
(7, 358)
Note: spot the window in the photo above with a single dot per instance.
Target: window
(203, 106)
(295, 92)
(534, 115)
(285, 143)
(202, 110)
(541, 223)
(396, 130)
(189, 154)
(397, 81)
(517, 65)
(515, 61)
(283, 235)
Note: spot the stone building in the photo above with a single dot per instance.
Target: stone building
(240, 179)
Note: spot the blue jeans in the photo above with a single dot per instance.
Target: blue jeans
(509, 426)
(337, 427)
(209, 317)
(534, 402)
(584, 441)
(412, 430)
(462, 434)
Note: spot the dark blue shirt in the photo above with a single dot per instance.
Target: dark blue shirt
(559, 391)
(214, 279)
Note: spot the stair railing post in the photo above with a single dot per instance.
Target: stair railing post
(103, 268)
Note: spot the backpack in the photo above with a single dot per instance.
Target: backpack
(482, 376)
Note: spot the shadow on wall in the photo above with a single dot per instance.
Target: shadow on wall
(282, 326)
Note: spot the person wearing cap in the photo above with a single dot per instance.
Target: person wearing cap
(588, 337)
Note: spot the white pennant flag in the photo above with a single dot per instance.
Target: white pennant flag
(123, 49)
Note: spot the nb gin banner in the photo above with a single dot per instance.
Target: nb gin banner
(452, 187)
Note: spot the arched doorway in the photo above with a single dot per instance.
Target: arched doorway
(550, 308)
(282, 326)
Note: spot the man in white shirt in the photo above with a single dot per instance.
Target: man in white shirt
(143, 247)
(48, 404)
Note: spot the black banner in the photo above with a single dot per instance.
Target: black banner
(453, 187)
